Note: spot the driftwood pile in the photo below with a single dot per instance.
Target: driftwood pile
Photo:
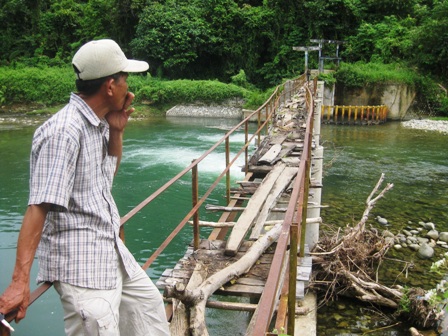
(347, 263)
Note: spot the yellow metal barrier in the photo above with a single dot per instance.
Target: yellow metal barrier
(363, 115)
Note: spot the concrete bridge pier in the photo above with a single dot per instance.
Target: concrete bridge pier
(314, 201)
(307, 324)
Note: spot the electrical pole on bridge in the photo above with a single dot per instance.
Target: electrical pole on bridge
(319, 48)
(306, 50)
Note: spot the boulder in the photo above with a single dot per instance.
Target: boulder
(433, 234)
(425, 251)
(443, 236)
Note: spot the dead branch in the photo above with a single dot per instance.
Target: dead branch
(346, 264)
(195, 300)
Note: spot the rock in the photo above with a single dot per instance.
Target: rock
(412, 240)
(402, 239)
(381, 220)
(425, 251)
(422, 240)
(414, 232)
(414, 247)
(398, 247)
(443, 236)
(433, 234)
(429, 226)
(407, 233)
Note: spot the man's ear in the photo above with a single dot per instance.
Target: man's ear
(109, 86)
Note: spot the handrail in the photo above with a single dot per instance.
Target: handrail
(270, 107)
(293, 214)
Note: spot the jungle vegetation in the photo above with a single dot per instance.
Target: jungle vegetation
(244, 42)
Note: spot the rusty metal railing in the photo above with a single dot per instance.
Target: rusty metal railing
(292, 233)
(282, 93)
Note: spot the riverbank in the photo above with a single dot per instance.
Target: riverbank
(427, 125)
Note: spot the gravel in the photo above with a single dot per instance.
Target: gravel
(427, 125)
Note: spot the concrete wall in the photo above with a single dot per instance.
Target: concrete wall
(397, 97)
(205, 111)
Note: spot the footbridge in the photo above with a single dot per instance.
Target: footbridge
(259, 247)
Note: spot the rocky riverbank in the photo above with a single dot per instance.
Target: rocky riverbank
(427, 125)
(421, 238)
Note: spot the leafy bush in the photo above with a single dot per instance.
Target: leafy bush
(362, 74)
(187, 91)
(45, 85)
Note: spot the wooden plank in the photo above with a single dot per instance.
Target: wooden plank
(279, 185)
(286, 149)
(250, 281)
(251, 211)
(271, 155)
(277, 140)
(241, 290)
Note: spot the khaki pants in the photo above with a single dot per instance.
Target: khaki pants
(135, 308)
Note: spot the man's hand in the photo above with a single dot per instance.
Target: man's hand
(117, 120)
(16, 296)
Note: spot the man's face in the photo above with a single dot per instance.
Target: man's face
(120, 92)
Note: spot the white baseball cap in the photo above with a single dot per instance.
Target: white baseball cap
(102, 58)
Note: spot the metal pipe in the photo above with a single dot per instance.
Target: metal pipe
(195, 193)
(228, 172)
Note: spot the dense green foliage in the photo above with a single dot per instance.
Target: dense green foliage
(52, 85)
(363, 74)
(216, 39)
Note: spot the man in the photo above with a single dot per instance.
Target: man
(72, 220)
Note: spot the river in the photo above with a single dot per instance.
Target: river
(156, 149)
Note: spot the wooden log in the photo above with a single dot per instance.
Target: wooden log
(211, 207)
(240, 306)
(252, 210)
(180, 324)
(279, 186)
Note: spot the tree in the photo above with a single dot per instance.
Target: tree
(430, 40)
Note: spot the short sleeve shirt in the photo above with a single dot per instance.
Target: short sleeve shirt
(70, 169)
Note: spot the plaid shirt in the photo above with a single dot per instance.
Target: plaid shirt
(71, 170)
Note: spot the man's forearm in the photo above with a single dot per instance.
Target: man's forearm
(17, 295)
(116, 146)
(29, 238)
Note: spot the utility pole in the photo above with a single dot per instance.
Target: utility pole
(306, 50)
(322, 58)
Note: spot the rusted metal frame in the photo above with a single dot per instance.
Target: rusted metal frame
(195, 197)
(267, 299)
(168, 184)
(282, 310)
(246, 151)
(294, 241)
(268, 296)
(179, 227)
(307, 159)
(228, 172)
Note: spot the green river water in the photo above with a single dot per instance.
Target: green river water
(157, 149)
